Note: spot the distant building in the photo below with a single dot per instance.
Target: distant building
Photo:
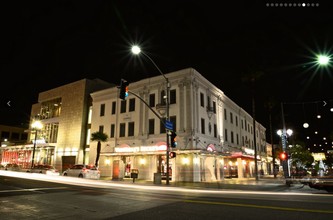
(63, 112)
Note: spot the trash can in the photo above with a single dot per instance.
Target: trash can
(157, 178)
(134, 174)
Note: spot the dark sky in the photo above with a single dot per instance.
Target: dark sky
(45, 44)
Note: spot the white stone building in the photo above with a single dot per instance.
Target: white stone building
(215, 136)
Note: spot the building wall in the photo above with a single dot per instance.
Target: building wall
(73, 120)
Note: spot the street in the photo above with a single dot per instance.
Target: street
(36, 197)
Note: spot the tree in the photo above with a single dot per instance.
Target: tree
(99, 137)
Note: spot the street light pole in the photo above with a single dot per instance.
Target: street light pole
(36, 125)
(284, 144)
(137, 50)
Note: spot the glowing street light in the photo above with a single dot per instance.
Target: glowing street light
(323, 59)
(136, 50)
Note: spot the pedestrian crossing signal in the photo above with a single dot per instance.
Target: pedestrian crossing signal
(172, 154)
(173, 139)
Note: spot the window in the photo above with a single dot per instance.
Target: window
(152, 100)
(131, 105)
(215, 131)
(173, 121)
(243, 142)
(225, 135)
(123, 106)
(242, 122)
(231, 118)
(151, 126)
(236, 119)
(113, 110)
(15, 136)
(122, 130)
(202, 100)
(162, 128)
(208, 102)
(102, 110)
(237, 139)
(225, 114)
(232, 136)
(5, 134)
(50, 132)
(130, 129)
(214, 107)
(112, 131)
(172, 96)
(101, 128)
(203, 126)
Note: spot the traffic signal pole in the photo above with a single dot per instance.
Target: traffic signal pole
(284, 145)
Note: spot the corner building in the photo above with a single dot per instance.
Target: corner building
(214, 134)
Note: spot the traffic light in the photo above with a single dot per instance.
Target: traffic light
(123, 89)
(283, 156)
(172, 154)
(173, 139)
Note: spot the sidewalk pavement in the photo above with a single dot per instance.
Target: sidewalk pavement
(265, 183)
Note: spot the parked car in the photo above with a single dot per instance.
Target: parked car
(12, 167)
(83, 171)
(45, 169)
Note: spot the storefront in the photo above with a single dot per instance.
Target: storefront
(22, 155)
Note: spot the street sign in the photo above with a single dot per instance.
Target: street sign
(168, 125)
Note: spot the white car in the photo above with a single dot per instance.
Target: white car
(83, 171)
(45, 169)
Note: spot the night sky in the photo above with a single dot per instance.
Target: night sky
(46, 44)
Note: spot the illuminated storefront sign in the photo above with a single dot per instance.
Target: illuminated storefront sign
(140, 149)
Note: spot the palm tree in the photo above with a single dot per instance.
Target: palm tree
(99, 137)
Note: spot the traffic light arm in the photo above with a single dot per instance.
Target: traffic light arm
(147, 106)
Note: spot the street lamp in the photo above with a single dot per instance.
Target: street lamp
(36, 125)
(284, 133)
(136, 50)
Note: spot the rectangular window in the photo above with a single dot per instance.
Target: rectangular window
(236, 119)
(151, 126)
(102, 110)
(237, 139)
(203, 126)
(173, 120)
(215, 131)
(243, 141)
(113, 110)
(152, 100)
(122, 130)
(225, 114)
(112, 131)
(172, 96)
(242, 122)
(214, 107)
(130, 129)
(123, 106)
(231, 118)
(131, 105)
(162, 127)
(225, 135)
(202, 100)
(232, 136)
(101, 128)
(208, 102)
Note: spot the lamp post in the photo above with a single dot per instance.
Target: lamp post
(137, 50)
(284, 133)
(36, 125)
